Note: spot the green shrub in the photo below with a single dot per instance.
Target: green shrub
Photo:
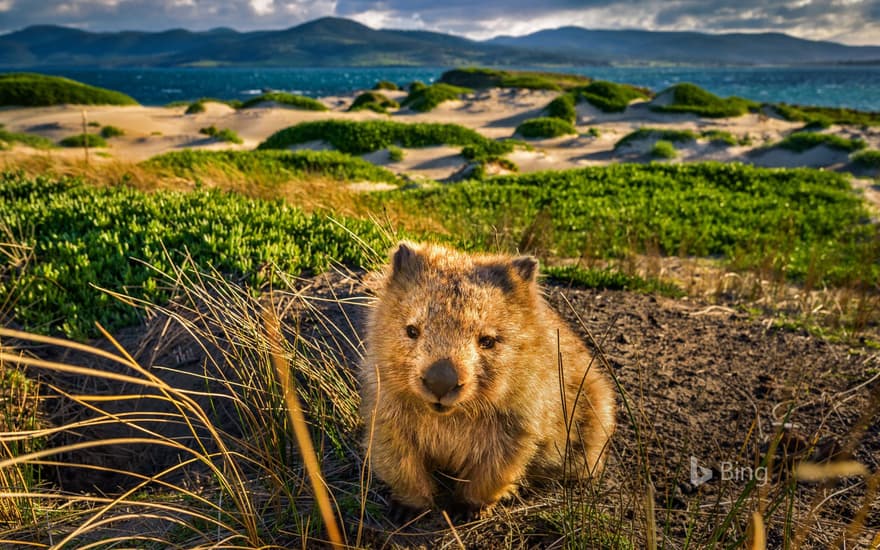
(330, 164)
(83, 140)
(826, 115)
(108, 132)
(209, 131)
(36, 90)
(386, 85)
(494, 78)
(226, 134)
(427, 98)
(594, 132)
(803, 141)
(798, 222)
(663, 149)
(563, 108)
(362, 137)
(94, 124)
(395, 154)
(610, 97)
(609, 279)
(690, 98)
(869, 159)
(657, 134)
(545, 127)
(195, 107)
(85, 237)
(290, 100)
(37, 142)
(415, 86)
(719, 137)
(373, 101)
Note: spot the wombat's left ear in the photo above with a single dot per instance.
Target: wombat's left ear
(405, 260)
(526, 267)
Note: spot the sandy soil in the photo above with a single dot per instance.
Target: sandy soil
(495, 113)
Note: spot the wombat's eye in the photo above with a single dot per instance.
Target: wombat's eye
(486, 342)
(412, 331)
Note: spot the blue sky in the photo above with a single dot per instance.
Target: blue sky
(846, 21)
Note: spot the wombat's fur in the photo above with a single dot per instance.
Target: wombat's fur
(462, 376)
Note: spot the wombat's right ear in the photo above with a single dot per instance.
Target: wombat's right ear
(405, 261)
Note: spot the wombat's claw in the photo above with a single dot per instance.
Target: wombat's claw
(464, 512)
(400, 514)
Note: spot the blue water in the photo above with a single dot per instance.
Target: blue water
(856, 87)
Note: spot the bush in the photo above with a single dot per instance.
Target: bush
(545, 127)
(610, 97)
(826, 115)
(386, 85)
(803, 141)
(83, 140)
(358, 138)
(329, 164)
(373, 101)
(493, 78)
(85, 237)
(427, 98)
(195, 107)
(395, 154)
(690, 98)
(563, 108)
(36, 90)
(664, 150)
(869, 159)
(657, 134)
(226, 134)
(719, 137)
(290, 100)
(37, 142)
(108, 132)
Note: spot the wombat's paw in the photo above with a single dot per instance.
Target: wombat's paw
(463, 512)
(400, 514)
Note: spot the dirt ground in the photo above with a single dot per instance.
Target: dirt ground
(700, 385)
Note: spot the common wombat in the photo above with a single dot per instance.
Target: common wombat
(462, 376)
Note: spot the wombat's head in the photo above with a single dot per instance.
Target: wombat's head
(449, 329)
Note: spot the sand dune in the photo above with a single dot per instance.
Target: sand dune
(494, 113)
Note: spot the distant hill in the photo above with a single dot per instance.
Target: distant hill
(690, 47)
(335, 42)
(326, 42)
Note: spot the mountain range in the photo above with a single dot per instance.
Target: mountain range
(332, 42)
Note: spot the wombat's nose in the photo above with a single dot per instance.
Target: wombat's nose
(440, 378)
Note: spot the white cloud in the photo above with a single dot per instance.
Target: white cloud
(263, 7)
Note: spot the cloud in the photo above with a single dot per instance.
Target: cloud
(852, 21)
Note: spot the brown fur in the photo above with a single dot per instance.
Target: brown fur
(506, 418)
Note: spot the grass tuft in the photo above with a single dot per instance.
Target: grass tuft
(545, 127)
(37, 90)
(83, 140)
(690, 98)
(287, 100)
(424, 99)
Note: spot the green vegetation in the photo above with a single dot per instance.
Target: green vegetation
(386, 85)
(545, 127)
(36, 90)
(85, 237)
(563, 108)
(358, 138)
(869, 159)
(426, 98)
(395, 154)
(195, 108)
(330, 164)
(286, 99)
(799, 222)
(226, 134)
(493, 78)
(108, 132)
(373, 101)
(803, 141)
(826, 115)
(656, 134)
(610, 97)
(663, 149)
(690, 98)
(719, 137)
(8, 138)
(83, 140)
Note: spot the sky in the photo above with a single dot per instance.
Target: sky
(855, 22)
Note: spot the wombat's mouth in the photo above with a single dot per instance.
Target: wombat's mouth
(440, 408)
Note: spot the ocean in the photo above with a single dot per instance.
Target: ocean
(856, 87)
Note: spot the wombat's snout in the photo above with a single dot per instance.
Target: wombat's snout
(440, 378)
